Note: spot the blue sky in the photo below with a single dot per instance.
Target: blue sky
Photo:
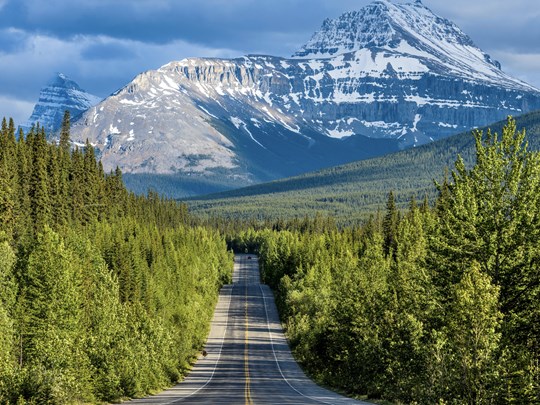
(103, 44)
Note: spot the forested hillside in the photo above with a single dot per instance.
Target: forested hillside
(353, 192)
(103, 294)
(435, 305)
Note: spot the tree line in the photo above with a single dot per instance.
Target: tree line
(432, 304)
(350, 193)
(103, 294)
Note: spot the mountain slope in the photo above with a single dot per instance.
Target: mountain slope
(392, 72)
(60, 94)
(356, 190)
(210, 118)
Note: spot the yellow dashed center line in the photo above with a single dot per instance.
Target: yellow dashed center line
(247, 390)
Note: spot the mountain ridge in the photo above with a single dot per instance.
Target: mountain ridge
(410, 80)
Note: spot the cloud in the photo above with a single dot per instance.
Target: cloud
(99, 65)
(103, 49)
(523, 65)
(103, 44)
(11, 107)
(12, 40)
(497, 24)
(243, 24)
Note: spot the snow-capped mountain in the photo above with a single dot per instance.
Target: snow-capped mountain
(412, 74)
(390, 72)
(60, 94)
(213, 117)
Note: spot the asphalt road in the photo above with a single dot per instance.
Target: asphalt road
(248, 361)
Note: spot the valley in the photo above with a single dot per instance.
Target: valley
(353, 192)
(354, 221)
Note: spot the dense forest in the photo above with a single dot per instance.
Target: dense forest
(432, 304)
(351, 193)
(103, 294)
(107, 295)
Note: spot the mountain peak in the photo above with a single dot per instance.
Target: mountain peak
(60, 94)
(61, 80)
(383, 24)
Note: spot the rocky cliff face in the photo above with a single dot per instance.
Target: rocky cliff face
(60, 94)
(387, 74)
(213, 118)
(410, 74)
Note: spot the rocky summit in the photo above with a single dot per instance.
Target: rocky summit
(60, 94)
(387, 76)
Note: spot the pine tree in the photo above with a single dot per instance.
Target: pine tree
(7, 331)
(7, 201)
(76, 182)
(53, 306)
(65, 141)
(91, 182)
(24, 225)
(63, 207)
(39, 182)
(8, 180)
(390, 225)
(474, 336)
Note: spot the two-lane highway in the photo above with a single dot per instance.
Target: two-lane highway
(248, 361)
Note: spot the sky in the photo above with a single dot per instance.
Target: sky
(104, 44)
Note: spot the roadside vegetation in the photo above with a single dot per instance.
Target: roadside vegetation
(431, 304)
(103, 294)
(107, 295)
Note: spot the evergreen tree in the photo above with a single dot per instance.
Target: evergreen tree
(390, 225)
(39, 182)
(65, 141)
(76, 182)
(7, 201)
(473, 337)
(63, 206)
(24, 224)
(52, 297)
(490, 215)
(7, 332)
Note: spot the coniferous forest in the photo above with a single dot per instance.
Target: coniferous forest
(106, 295)
(103, 294)
(434, 304)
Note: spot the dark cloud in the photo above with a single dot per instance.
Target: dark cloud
(270, 26)
(107, 51)
(240, 24)
(103, 44)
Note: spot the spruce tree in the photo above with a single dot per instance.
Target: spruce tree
(390, 225)
(65, 140)
(52, 294)
(7, 330)
(40, 191)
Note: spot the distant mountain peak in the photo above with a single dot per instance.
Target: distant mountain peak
(61, 80)
(60, 94)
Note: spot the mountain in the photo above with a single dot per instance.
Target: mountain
(387, 76)
(354, 191)
(60, 94)
(209, 119)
